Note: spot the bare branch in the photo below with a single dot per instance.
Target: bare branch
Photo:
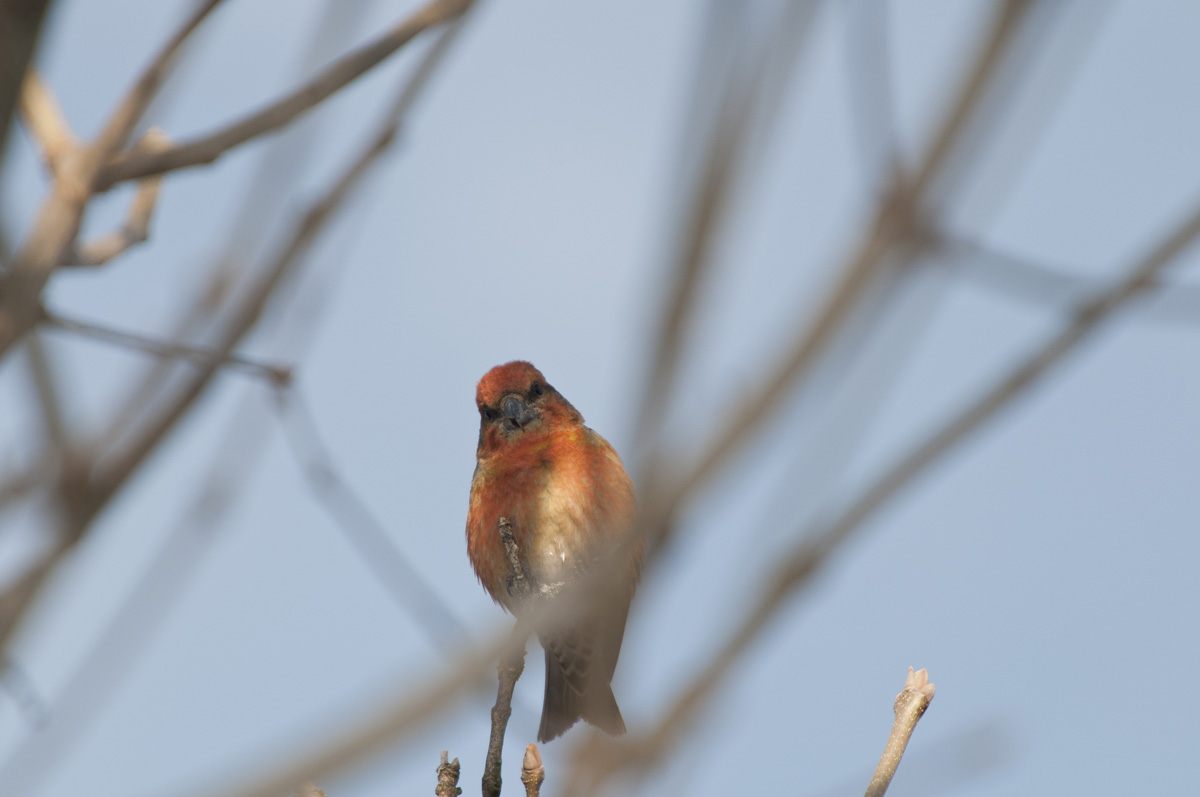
(57, 224)
(909, 707)
(45, 121)
(276, 375)
(895, 232)
(103, 485)
(279, 113)
(748, 98)
(136, 228)
(49, 397)
(126, 115)
(447, 772)
(600, 758)
(1057, 288)
(370, 540)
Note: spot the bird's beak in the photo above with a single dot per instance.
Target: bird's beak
(517, 412)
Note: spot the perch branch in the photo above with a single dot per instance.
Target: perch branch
(509, 669)
(130, 166)
(909, 707)
(447, 773)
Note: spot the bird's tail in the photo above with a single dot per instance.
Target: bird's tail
(565, 704)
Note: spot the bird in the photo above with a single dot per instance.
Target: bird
(572, 508)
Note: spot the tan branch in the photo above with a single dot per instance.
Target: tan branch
(136, 228)
(275, 375)
(909, 707)
(45, 121)
(336, 76)
(54, 231)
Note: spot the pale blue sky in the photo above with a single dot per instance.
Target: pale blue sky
(1044, 573)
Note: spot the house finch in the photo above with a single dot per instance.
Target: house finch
(571, 505)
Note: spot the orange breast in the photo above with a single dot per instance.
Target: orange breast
(568, 498)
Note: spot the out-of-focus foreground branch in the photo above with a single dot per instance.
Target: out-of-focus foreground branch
(92, 485)
(602, 758)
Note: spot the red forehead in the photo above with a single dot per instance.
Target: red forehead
(513, 377)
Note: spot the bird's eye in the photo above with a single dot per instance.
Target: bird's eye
(536, 389)
(490, 413)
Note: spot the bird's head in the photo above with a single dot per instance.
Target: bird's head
(514, 401)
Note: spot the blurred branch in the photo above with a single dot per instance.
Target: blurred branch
(45, 121)
(533, 774)
(370, 540)
(909, 707)
(16, 486)
(447, 772)
(136, 228)
(600, 758)
(157, 589)
(109, 477)
(129, 111)
(20, 31)
(57, 224)
(48, 396)
(896, 231)
(24, 694)
(277, 375)
(748, 95)
(1057, 288)
(131, 166)
(868, 64)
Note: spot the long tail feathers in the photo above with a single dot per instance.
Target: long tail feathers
(564, 705)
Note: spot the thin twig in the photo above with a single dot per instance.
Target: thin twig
(371, 541)
(337, 75)
(1058, 288)
(909, 707)
(276, 375)
(447, 772)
